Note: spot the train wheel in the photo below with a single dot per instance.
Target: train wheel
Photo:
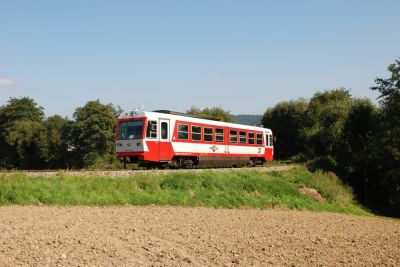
(188, 164)
(173, 164)
(252, 163)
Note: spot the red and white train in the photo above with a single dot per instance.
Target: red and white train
(179, 140)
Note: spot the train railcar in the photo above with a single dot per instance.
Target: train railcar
(166, 138)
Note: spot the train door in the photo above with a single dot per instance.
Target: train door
(226, 142)
(269, 150)
(164, 140)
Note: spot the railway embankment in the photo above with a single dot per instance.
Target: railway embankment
(281, 187)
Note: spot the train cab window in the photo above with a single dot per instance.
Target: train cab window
(219, 135)
(183, 132)
(233, 136)
(208, 134)
(242, 137)
(259, 139)
(250, 137)
(196, 133)
(164, 130)
(130, 130)
(151, 130)
(269, 139)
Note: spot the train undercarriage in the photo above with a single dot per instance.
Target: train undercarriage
(189, 162)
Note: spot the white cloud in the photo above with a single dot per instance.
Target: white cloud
(5, 82)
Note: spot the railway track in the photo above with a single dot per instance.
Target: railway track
(118, 173)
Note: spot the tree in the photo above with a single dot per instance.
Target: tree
(357, 154)
(323, 123)
(92, 133)
(56, 147)
(215, 113)
(286, 120)
(26, 138)
(14, 116)
(389, 157)
(20, 108)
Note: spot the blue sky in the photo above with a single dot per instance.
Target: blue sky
(244, 56)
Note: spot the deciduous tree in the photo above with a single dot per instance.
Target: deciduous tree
(286, 120)
(389, 163)
(323, 124)
(91, 134)
(20, 127)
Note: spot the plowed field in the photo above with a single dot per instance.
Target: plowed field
(174, 236)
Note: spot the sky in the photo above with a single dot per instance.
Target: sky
(243, 56)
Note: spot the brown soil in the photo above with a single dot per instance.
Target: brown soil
(173, 236)
(312, 193)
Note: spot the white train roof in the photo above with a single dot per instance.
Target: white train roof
(155, 115)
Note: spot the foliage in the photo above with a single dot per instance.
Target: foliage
(20, 133)
(107, 161)
(91, 134)
(389, 138)
(18, 109)
(323, 123)
(214, 112)
(56, 153)
(358, 140)
(349, 136)
(244, 188)
(286, 120)
(389, 88)
(29, 141)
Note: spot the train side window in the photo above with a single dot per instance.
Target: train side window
(164, 130)
(151, 130)
(269, 138)
(250, 137)
(196, 133)
(183, 132)
(208, 134)
(242, 137)
(233, 136)
(219, 135)
(259, 139)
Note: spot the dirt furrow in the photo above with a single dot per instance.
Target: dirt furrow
(174, 236)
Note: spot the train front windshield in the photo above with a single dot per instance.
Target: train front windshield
(130, 130)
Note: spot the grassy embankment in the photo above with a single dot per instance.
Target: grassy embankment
(229, 188)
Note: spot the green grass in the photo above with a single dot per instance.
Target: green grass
(230, 189)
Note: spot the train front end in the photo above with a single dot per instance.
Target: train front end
(130, 145)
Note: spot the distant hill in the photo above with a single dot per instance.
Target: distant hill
(248, 119)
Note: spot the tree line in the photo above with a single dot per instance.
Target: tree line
(28, 140)
(332, 131)
(350, 136)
